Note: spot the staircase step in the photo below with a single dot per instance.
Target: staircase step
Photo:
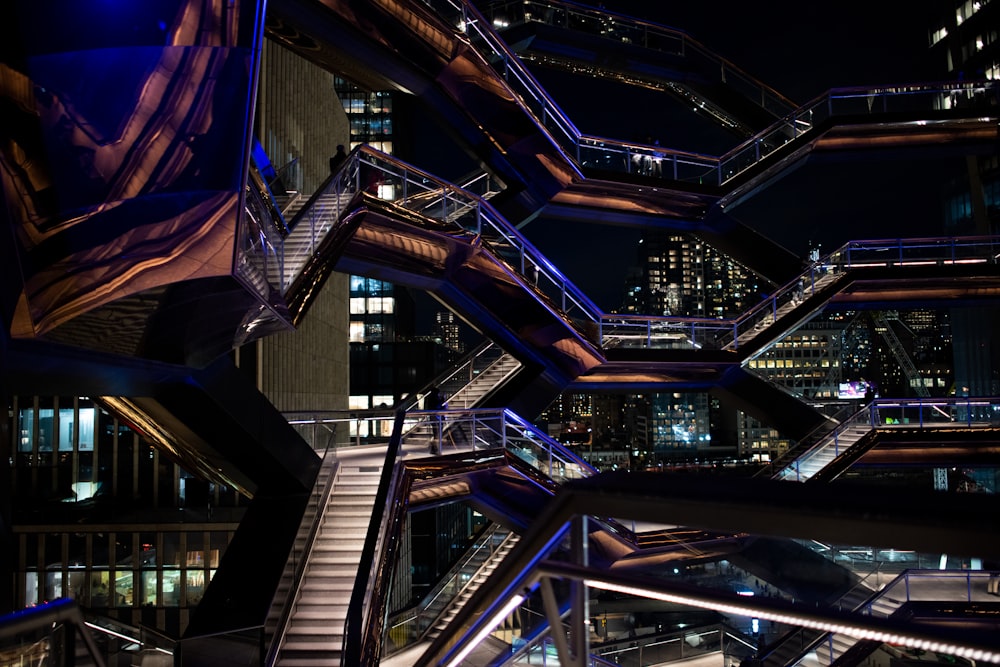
(321, 644)
(334, 614)
(326, 661)
(315, 584)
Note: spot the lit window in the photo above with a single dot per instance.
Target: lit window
(380, 305)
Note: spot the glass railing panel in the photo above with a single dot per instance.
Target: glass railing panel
(257, 250)
(543, 453)
(674, 332)
(915, 252)
(832, 443)
(653, 37)
(608, 154)
(482, 185)
(403, 184)
(933, 585)
(935, 413)
(409, 187)
(456, 430)
(664, 648)
(461, 378)
(909, 413)
(637, 331)
(314, 221)
(413, 625)
(481, 34)
(645, 160)
(343, 428)
(479, 429)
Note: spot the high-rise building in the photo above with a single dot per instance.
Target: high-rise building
(965, 44)
(684, 276)
(157, 338)
(807, 362)
(680, 275)
(448, 331)
(369, 113)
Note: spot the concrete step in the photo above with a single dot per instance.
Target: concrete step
(307, 661)
(335, 614)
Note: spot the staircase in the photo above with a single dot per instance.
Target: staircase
(767, 317)
(287, 582)
(830, 647)
(483, 381)
(836, 645)
(315, 631)
(308, 228)
(825, 451)
(473, 573)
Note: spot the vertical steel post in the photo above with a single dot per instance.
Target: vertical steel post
(579, 614)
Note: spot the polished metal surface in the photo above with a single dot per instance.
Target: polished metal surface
(127, 158)
(398, 246)
(471, 273)
(927, 522)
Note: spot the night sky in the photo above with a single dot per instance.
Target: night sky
(802, 51)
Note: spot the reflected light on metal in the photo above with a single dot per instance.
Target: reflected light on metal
(791, 618)
(486, 629)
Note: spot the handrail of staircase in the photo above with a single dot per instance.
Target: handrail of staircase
(345, 169)
(871, 414)
(651, 34)
(485, 222)
(314, 522)
(519, 576)
(807, 442)
(282, 171)
(260, 231)
(685, 166)
(809, 638)
(255, 178)
(694, 332)
(46, 616)
(721, 629)
(415, 621)
(714, 333)
(482, 567)
(363, 625)
(464, 365)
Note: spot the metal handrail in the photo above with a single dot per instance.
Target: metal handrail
(510, 585)
(685, 166)
(643, 33)
(431, 195)
(789, 466)
(732, 333)
(47, 616)
(362, 626)
(314, 522)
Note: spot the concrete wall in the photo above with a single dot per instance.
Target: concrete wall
(299, 116)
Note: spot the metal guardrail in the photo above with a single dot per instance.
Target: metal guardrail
(897, 413)
(729, 334)
(406, 186)
(696, 168)
(653, 37)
